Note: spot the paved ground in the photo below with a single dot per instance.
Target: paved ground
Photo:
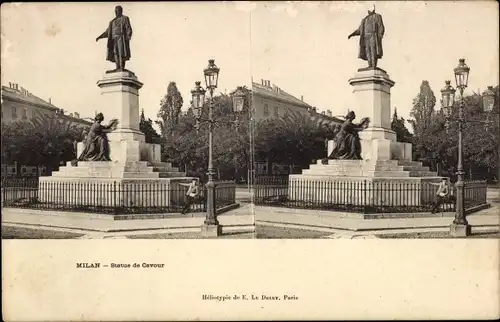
(194, 235)
(493, 195)
(239, 217)
(263, 232)
(243, 195)
(339, 221)
(16, 232)
(9, 232)
(269, 232)
(439, 234)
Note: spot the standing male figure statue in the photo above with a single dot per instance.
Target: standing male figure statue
(370, 34)
(119, 33)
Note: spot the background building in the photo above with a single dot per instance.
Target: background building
(271, 101)
(18, 104)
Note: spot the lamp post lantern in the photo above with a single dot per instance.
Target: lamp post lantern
(460, 225)
(238, 103)
(198, 101)
(447, 101)
(488, 105)
(488, 99)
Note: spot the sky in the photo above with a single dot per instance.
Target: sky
(303, 48)
(50, 49)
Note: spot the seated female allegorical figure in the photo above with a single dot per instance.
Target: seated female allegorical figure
(347, 145)
(96, 143)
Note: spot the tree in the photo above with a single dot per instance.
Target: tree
(170, 108)
(188, 148)
(398, 126)
(44, 140)
(480, 139)
(422, 113)
(295, 138)
(146, 127)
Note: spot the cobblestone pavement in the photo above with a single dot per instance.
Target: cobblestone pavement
(16, 232)
(194, 235)
(270, 232)
(440, 234)
(11, 232)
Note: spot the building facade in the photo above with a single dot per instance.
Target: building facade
(19, 104)
(270, 101)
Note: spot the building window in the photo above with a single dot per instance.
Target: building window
(276, 111)
(14, 112)
(25, 113)
(266, 110)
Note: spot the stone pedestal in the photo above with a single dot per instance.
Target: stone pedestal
(120, 100)
(457, 230)
(372, 90)
(120, 90)
(135, 176)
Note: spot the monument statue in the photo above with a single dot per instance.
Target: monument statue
(96, 143)
(119, 33)
(346, 144)
(370, 34)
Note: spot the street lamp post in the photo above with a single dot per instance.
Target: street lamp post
(460, 226)
(211, 227)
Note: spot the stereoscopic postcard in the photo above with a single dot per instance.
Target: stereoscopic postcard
(269, 160)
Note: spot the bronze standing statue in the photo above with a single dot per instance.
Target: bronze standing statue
(346, 144)
(370, 32)
(96, 142)
(119, 33)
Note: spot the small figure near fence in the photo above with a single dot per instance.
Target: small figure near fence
(192, 194)
(442, 194)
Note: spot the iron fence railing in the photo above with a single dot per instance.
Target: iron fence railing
(109, 197)
(361, 196)
(475, 193)
(225, 193)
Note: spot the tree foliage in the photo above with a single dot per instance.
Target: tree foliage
(398, 125)
(146, 127)
(422, 114)
(44, 140)
(294, 139)
(170, 109)
(480, 138)
(187, 147)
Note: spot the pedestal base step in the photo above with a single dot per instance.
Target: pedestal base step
(104, 169)
(369, 169)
